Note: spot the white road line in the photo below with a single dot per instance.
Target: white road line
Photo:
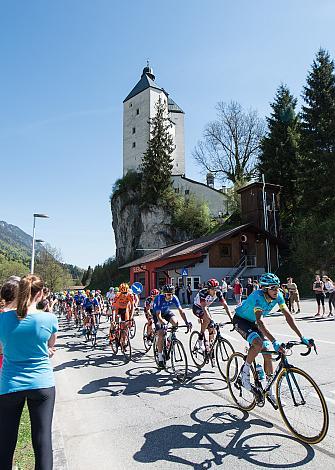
(330, 400)
(295, 336)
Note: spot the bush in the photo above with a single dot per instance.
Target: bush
(131, 181)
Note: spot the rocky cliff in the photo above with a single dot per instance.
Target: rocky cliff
(137, 228)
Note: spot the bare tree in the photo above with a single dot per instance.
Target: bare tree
(231, 143)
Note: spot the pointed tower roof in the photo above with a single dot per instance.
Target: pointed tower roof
(173, 107)
(147, 81)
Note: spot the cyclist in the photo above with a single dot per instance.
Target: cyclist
(110, 296)
(249, 323)
(69, 304)
(162, 315)
(78, 302)
(148, 310)
(123, 306)
(204, 298)
(90, 305)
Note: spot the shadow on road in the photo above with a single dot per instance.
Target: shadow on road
(217, 432)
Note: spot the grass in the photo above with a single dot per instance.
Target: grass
(24, 454)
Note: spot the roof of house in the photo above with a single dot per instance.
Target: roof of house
(186, 248)
(173, 107)
(146, 81)
(201, 184)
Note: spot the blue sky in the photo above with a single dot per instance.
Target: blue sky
(66, 67)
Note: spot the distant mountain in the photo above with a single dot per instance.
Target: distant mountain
(16, 245)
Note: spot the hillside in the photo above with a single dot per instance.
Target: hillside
(16, 245)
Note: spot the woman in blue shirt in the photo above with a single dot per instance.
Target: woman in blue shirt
(27, 337)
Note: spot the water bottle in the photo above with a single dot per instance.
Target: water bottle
(260, 372)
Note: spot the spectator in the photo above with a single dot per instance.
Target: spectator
(28, 337)
(8, 296)
(177, 291)
(329, 287)
(189, 294)
(286, 294)
(249, 286)
(183, 294)
(238, 289)
(294, 294)
(318, 288)
(256, 285)
(224, 288)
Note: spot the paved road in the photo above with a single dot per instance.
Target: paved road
(119, 416)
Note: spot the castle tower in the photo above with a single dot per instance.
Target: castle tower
(138, 109)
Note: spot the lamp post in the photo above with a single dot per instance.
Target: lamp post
(41, 216)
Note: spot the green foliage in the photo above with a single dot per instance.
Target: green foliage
(49, 266)
(87, 276)
(130, 182)
(318, 138)
(106, 275)
(192, 217)
(157, 164)
(279, 159)
(14, 252)
(9, 268)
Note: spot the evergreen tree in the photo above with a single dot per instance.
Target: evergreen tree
(318, 137)
(157, 160)
(280, 152)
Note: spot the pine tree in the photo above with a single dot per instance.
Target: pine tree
(318, 137)
(157, 160)
(280, 152)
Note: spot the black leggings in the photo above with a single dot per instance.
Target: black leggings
(41, 405)
(331, 301)
(320, 298)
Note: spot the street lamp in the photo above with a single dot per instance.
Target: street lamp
(41, 216)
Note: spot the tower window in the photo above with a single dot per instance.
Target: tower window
(187, 192)
(138, 111)
(134, 130)
(130, 105)
(134, 145)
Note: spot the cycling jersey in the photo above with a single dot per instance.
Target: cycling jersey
(256, 302)
(79, 299)
(162, 305)
(204, 299)
(148, 304)
(122, 301)
(90, 304)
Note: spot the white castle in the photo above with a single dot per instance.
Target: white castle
(138, 108)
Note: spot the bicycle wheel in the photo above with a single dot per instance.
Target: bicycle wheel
(88, 327)
(198, 356)
(223, 351)
(114, 340)
(94, 335)
(154, 347)
(132, 329)
(179, 361)
(243, 398)
(126, 347)
(146, 340)
(302, 405)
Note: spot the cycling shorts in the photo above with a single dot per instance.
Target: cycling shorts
(247, 329)
(123, 313)
(198, 311)
(166, 316)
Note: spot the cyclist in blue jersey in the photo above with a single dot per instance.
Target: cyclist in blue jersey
(249, 323)
(162, 315)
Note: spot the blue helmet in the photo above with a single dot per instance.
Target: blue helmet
(269, 279)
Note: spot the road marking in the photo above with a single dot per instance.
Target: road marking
(295, 336)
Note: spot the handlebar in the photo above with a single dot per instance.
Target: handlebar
(291, 344)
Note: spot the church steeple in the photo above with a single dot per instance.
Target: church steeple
(148, 71)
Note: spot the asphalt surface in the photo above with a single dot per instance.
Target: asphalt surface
(117, 415)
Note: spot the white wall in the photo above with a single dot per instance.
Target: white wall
(217, 201)
(179, 139)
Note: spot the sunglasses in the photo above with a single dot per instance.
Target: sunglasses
(273, 287)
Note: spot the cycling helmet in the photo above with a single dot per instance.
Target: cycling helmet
(154, 292)
(269, 279)
(168, 289)
(123, 287)
(212, 283)
(111, 289)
